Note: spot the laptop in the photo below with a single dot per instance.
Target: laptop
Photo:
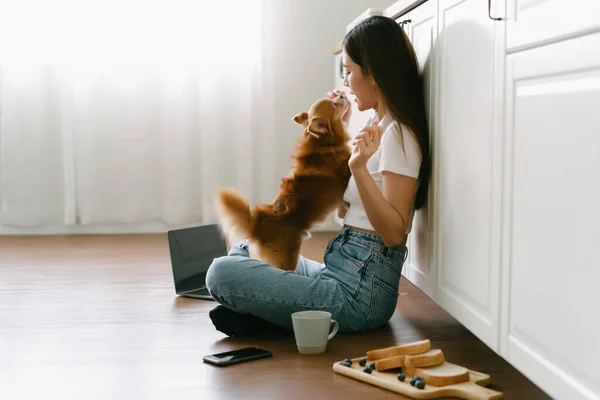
(192, 251)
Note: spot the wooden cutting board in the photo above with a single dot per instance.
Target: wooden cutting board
(470, 390)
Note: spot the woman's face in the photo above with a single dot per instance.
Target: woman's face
(362, 87)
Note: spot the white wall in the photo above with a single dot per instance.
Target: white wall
(300, 35)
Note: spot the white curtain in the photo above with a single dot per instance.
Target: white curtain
(120, 112)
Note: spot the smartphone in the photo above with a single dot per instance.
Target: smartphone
(236, 356)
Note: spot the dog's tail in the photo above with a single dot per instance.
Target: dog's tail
(234, 212)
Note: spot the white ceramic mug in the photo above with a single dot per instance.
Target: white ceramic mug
(311, 330)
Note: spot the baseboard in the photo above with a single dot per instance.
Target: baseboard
(105, 229)
(332, 223)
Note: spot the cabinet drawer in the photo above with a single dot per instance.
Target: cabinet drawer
(533, 23)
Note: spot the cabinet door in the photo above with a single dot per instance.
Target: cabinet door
(550, 318)
(467, 163)
(422, 32)
(535, 22)
(404, 21)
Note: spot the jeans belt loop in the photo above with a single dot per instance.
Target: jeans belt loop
(346, 230)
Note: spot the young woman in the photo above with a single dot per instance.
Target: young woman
(390, 164)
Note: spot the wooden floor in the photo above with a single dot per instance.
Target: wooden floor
(96, 317)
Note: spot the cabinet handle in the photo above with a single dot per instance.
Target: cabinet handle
(406, 21)
(490, 12)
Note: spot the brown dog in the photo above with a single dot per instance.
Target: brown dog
(308, 195)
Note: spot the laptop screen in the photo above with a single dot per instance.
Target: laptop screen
(192, 251)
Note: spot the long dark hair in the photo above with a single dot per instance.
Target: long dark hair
(382, 49)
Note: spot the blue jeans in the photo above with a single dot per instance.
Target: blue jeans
(357, 284)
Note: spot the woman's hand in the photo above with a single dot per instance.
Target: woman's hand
(340, 93)
(365, 144)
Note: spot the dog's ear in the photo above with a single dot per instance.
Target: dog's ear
(318, 126)
(301, 118)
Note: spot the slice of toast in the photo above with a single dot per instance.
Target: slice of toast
(403, 350)
(440, 375)
(430, 358)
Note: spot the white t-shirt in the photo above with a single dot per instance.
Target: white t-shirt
(390, 156)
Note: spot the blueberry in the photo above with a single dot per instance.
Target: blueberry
(372, 365)
(413, 381)
(418, 378)
(401, 377)
(368, 370)
(420, 384)
(347, 363)
(362, 362)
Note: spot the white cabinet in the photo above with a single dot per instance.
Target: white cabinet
(468, 166)
(507, 244)
(552, 217)
(419, 24)
(536, 22)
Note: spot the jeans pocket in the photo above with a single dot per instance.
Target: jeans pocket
(355, 252)
(383, 303)
(347, 262)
